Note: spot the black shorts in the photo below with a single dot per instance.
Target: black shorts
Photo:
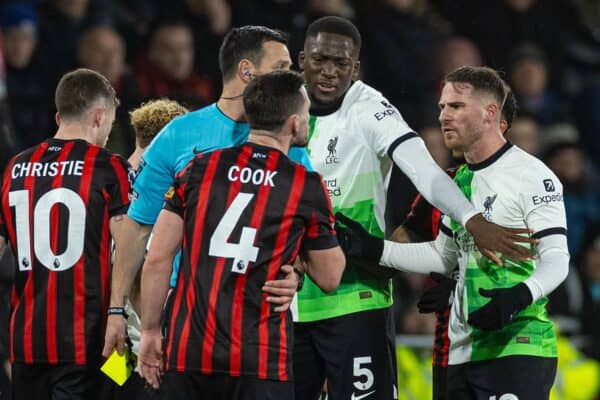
(506, 378)
(355, 352)
(440, 374)
(58, 382)
(194, 385)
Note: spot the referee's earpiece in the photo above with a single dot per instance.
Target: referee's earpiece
(247, 74)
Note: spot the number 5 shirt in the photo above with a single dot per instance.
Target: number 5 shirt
(57, 199)
(349, 148)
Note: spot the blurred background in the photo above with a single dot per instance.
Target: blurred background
(547, 50)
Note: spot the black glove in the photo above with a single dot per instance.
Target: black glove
(359, 244)
(355, 241)
(501, 309)
(437, 297)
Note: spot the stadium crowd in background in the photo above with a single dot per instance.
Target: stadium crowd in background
(548, 51)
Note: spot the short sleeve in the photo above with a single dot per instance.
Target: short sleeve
(382, 125)
(120, 187)
(175, 195)
(154, 177)
(316, 206)
(541, 198)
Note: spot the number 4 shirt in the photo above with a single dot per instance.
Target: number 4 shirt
(57, 199)
(247, 211)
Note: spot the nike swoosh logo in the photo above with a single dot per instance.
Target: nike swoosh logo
(362, 396)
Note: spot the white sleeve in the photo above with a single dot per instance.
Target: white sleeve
(440, 256)
(412, 157)
(551, 266)
(541, 197)
(381, 124)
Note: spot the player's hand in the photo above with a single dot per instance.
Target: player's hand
(150, 357)
(282, 291)
(437, 297)
(491, 238)
(116, 333)
(355, 241)
(505, 303)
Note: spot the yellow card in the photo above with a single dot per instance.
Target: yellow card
(119, 368)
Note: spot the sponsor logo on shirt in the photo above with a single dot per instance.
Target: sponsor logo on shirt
(389, 110)
(332, 187)
(549, 185)
(332, 155)
(464, 241)
(547, 199)
(487, 205)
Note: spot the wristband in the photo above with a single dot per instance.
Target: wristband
(300, 278)
(117, 311)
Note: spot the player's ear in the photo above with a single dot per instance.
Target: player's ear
(57, 119)
(301, 59)
(491, 112)
(292, 123)
(244, 70)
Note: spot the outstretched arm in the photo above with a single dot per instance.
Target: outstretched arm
(438, 256)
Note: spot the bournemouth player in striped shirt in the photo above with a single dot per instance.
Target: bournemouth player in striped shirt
(61, 202)
(240, 213)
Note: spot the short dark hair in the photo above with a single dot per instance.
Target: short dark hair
(271, 98)
(510, 108)
(338, 25)
(245, 42)
(78, 90)
(481, 78)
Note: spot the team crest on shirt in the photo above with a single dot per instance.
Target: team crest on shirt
(332, 155)
(487, 206)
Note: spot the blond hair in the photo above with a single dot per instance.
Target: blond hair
(149, 118)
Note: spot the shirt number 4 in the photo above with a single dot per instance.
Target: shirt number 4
(243, 252)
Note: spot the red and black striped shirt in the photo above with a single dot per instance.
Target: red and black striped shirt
(57, 198)
(424, 220)
(247, 211)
